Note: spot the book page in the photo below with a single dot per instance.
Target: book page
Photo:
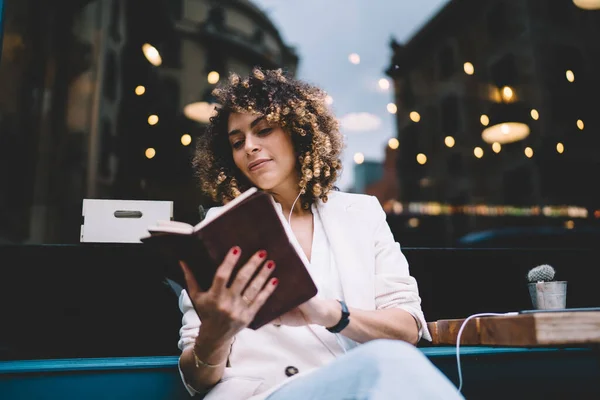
(171, 229)
(226, 207)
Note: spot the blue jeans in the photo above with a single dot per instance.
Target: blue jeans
(377, 370)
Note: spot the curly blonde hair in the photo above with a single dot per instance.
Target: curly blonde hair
(297, 107)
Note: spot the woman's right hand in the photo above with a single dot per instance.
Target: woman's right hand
(223, 310)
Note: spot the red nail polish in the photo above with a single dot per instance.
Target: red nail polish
(275, 281)
(262, 254)
(236, 251)
(270, 264)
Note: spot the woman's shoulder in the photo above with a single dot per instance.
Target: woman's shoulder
(336, 197)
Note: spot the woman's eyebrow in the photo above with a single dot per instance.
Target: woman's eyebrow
(252, 125)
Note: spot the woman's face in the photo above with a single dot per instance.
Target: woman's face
(264, 153)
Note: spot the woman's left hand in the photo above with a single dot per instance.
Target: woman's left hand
(318, 311)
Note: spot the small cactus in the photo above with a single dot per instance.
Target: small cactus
(541, 273)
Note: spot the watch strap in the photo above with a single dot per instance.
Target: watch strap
(344, 320)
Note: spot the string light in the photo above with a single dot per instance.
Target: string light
(507, 93)
(496, 147)
(580, 124)
(570, 224)
(153, 119)
(421, 158)
(384, 84)
(469, 68)
(570, 75)
(150, 153)
(449, 141)
(488, 210)
(484, 119)
(560, 148)
(354, 58)
(528, 152)
(478, 151)
(393, 143)
(535, 115)
(213, 77)
(151, 54)
(186, 139)
(140, 90)
(392, 108)
(359, 158)
(415, 116)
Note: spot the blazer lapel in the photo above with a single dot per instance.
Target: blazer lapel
(350, 244)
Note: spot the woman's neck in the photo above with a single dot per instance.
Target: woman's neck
(289, 198)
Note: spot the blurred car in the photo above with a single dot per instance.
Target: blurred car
(533, 237)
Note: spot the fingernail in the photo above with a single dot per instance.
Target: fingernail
(262, 254)
(270, 264)
(275, 281)
(236, 251)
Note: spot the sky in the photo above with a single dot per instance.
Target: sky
(324, 33)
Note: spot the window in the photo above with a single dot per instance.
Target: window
(565, 58)
(115, 20)
(215, 60)
(450, 115)
(518, 186)
(110, 79)
(497, 22)
(216, 17)
(568, 100)
(407, 95)
(446, 62)
(175, 9)
(106, 140)
(170, 95)
(258, 37)
(410, 144)
(560, 12)
(172, 52)
(455, 164)
(504, 71)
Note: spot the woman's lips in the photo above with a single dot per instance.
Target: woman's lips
(259, 165)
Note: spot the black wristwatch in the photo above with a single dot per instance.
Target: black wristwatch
(344, 321)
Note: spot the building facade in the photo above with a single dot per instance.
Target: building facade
(456, 73)
(89, 110)
(494, 65)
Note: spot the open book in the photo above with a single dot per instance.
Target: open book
(251, 222)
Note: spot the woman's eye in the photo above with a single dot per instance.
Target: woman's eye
(265, 131)
(237, 144)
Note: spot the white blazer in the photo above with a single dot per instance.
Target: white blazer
(374, 275)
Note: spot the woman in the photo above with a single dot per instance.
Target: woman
(276, 133)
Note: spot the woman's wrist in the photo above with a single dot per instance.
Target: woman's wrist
(209, 350)
(330, 314)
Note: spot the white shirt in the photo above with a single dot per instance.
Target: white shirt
(324, 272)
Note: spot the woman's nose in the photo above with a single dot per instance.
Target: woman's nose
(251, 146)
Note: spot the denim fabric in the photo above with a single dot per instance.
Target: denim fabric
(377, 370)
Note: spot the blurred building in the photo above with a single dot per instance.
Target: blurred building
(366, 173)
(93, 98)
(497, 104)
(383, 184)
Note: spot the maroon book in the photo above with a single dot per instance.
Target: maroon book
(251, 222)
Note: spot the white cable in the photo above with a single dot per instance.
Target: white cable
(460, 380)
(292, 209)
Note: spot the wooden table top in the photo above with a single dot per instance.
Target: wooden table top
(535, 329)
